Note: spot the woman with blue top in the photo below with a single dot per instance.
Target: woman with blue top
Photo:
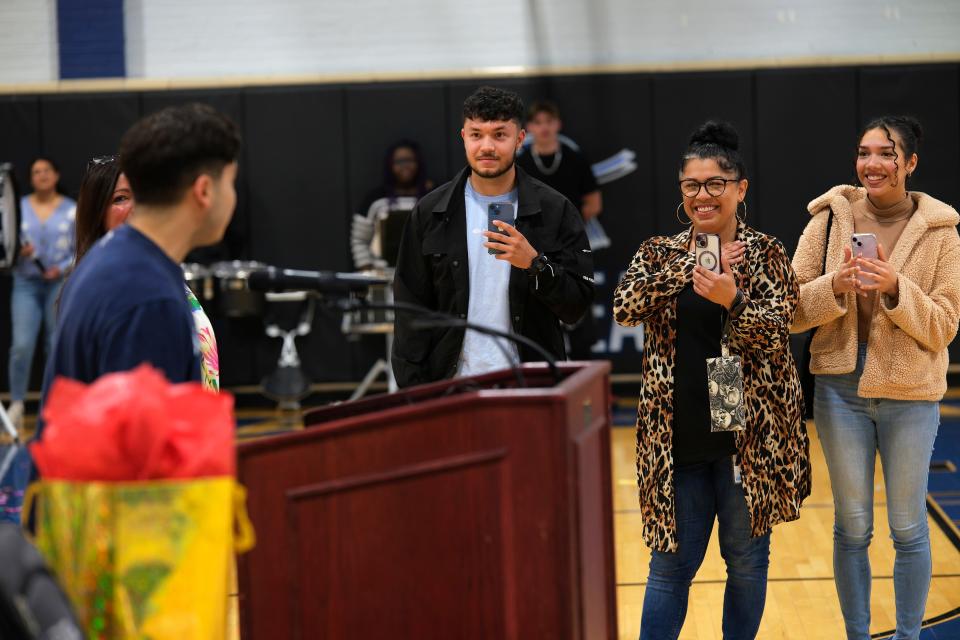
(46, 252)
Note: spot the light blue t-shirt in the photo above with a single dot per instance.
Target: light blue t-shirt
(489, 292)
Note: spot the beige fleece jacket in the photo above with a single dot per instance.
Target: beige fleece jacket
(907, 347)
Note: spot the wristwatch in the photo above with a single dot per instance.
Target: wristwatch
(538, 266)
(739, 304)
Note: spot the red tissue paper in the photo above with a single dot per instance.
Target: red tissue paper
(135, 425)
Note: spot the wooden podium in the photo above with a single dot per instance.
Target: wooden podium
(465, 509)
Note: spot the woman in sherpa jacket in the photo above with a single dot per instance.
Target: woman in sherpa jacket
(879, 354)
(690, 476)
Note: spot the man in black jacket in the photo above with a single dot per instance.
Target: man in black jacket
(540, 274)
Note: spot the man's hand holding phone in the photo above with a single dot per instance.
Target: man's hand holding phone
(512, 245)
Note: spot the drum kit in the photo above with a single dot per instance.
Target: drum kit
(375, 320)
(225, 286)
(9, 217)
(375, 240)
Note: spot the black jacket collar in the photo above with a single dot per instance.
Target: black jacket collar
(528, 199)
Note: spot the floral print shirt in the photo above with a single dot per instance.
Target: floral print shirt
(209, 358)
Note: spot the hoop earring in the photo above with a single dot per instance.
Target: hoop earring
(744, 218)
(679, 219)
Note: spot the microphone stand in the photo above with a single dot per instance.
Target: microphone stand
(15, 444)
(437, 319)
(456, 323)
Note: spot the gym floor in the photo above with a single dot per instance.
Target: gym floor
(801, 598)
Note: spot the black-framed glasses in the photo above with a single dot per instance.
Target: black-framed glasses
(714, 186)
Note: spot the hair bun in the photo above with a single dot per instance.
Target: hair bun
(718, 133)
(914, 126)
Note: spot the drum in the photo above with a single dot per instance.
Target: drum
(200, 280)
(387, 235)
(9, 217)
(233, 293)
(374, 320)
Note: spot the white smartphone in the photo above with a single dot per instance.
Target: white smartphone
(864, 245)
(707, 251)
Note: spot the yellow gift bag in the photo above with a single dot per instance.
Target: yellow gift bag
(146, 560)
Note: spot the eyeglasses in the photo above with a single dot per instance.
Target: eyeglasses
(99, 160)
(714, 186)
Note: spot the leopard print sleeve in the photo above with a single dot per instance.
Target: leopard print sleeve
(772, 293)
(655, 276)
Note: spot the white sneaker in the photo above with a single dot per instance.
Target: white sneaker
(15, 413)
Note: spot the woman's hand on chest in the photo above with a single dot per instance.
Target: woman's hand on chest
(720, 288)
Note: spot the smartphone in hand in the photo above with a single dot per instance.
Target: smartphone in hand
(502, 211)
(707, 251)
(864, 245)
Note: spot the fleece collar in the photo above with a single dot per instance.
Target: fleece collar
(930, 214)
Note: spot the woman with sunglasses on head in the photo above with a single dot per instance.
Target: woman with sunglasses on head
(46, 253)
(692, 466)
(882, 325)
(105, 202)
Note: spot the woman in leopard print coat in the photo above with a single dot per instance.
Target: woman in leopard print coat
(689, 475)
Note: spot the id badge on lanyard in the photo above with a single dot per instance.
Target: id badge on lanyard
(725, 388)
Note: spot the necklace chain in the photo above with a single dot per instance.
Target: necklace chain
(552, 169)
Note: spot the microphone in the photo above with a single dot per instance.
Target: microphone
(433, 319)
(322, 282)
(438, 320)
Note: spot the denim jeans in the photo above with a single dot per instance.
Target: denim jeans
(32, 304)
(705, 492)
(852, 429)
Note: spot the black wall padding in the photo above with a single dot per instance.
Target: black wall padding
(930, 93)
(20, 134)
(295, 148)
(236, 240)
(378, 115)
(74, 129)
(681, 103)
(605, 114)
(805, 140)
(311, 153)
